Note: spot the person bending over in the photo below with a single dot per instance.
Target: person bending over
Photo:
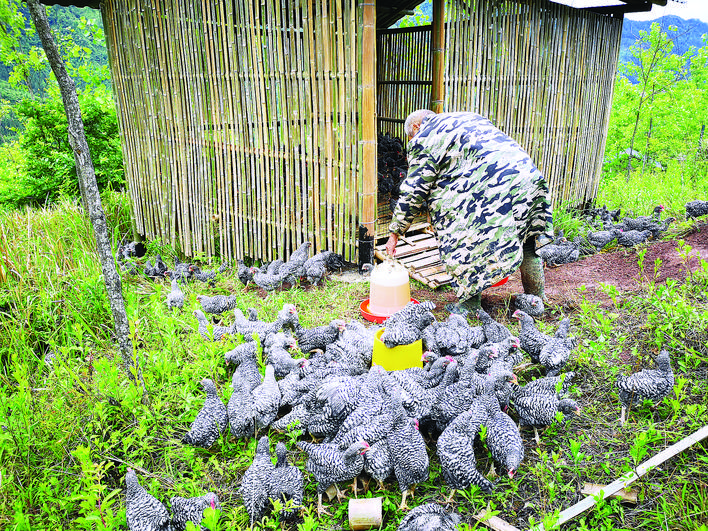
(489, 204)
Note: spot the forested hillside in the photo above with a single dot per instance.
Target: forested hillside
(24, 72)
(688, 33)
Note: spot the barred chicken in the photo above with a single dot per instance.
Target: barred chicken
(657, 228)
(556, 352)
(192, 510)
(429, 517)
(557, 254)
(285, 483)
(292, 270)
(330, 465)
(410, 456)
(640, 223)
(504, 442)
(287, 316)
(241, 352)
(493, 330)
(407, 324)
(319, 337)
(696, 209)
(266, 399)
(240, 408)
(601, 238)
(378, 463)
(175, 298)
(547, 385)
(208, 277)
(217, 332)
(449, 338)
(211, 420)
(455, 449)
(217, 303)
(244, 273)
(630, 238)
(647, 384)
(531, 304)
(254, 487)
(143, 511)
(266, 281)
(540, 410)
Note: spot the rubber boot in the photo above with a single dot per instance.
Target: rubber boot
(532, 277)
(470, 305)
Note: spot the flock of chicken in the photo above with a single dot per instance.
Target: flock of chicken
(627, 232)
(269, 276)
(372, 422)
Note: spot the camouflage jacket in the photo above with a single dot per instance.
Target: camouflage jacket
(484, 194)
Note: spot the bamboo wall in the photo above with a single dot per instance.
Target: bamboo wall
(542, 72)
(240, 122)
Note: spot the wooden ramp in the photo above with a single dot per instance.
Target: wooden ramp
(418, 252)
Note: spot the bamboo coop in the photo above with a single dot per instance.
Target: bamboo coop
(249, 127)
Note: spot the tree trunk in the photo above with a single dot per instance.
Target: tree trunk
(631, 143)
(89, 189)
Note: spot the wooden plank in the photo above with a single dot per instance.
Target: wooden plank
(633, 475)
(592, 489)
(494, 522)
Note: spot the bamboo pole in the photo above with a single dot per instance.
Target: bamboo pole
(437, 46)
(631, 476)
(368, 115)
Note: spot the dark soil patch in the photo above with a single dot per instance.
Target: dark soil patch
(618, 267)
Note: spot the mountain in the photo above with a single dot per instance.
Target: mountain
(66, 23)
(688, 33)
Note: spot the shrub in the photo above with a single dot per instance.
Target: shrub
(49, 169)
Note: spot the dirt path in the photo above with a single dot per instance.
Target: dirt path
(619, 268)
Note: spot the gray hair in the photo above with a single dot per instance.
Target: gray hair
(416, 118)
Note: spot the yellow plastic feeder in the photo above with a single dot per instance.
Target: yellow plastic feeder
(399, 357)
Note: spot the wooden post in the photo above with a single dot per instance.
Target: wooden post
(437, 94)
(368, 115)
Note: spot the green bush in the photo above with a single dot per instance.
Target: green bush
(49, 170)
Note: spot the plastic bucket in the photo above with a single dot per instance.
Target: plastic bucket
(399, 357)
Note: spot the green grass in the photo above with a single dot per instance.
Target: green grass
(69, 433)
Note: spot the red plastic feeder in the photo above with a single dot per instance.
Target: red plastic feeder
(500, 283)
(374, 317)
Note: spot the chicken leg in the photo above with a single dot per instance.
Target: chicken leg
(321, 508)
(403, 506)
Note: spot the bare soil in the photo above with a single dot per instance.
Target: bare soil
(567, 285)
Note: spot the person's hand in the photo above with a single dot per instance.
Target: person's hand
(391, 244)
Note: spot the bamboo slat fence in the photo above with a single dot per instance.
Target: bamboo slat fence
(248, 127)
(241, 122)
(541, 72)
